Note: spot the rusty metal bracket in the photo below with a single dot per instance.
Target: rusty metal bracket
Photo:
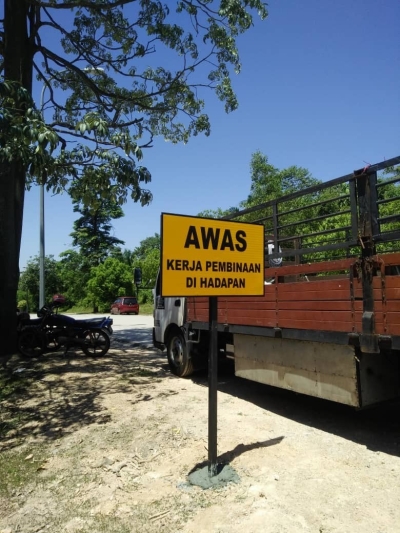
(380, 265)
(368, 338)
(369, 267)
(356, 270)
(360, 240)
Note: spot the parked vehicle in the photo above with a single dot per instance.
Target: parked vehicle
(328, 324)
(125, 305)
(51, 331)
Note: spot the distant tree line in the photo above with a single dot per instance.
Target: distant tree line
(97, 269)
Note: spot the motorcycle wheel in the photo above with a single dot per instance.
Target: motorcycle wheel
(30, 343)
(97, 343)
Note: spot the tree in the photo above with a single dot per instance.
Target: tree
(74, 273)
(20, 127)
(147, 245)
(218, 213)
(126, 256)
(107, 281)
(389, 207)
(29, 281)
(318, 218)
(147, 257)
(92, 231)
(269, 183)
(109, 97)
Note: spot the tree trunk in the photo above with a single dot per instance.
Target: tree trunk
(18, 60)
(12, 179)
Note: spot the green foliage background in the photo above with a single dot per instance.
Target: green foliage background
(92, 277)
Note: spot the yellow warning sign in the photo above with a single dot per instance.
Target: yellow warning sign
(211, 257)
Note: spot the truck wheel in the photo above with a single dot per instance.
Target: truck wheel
(178, 358)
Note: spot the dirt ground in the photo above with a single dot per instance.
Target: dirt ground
(106, 446)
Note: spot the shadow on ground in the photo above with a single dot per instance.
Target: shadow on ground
(230, 455)
(63, 394)
(377, 428)
(60, 394)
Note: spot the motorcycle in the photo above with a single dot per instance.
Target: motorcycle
(51, 331)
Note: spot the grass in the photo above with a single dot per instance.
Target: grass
(167, 515)
(147, 308)
(11, 386)
(18, 468)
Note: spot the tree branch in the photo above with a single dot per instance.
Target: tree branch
(67, 65)
(83, 3)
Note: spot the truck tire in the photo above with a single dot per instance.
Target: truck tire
(179, 361)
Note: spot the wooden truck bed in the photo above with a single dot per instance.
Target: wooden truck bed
(328, 324)
(328, 303)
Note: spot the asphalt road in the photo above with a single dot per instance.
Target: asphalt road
(132, 329)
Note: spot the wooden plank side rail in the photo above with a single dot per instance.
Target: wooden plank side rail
(329, 304)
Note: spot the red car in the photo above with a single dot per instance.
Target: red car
(125, 304)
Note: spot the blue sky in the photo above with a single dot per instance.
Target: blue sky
(319, 88)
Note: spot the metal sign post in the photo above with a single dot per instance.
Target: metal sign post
(211, 257)
(212, 386)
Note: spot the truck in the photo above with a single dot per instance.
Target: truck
(328, 324)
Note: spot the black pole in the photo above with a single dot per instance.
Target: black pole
(212, 386)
